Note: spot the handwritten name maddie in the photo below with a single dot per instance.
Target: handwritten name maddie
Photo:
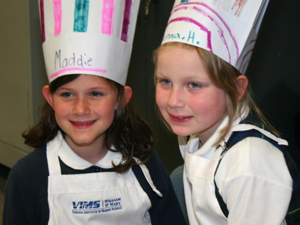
(74, 61)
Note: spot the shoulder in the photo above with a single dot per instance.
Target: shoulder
(158, 174)
(257, 157)
(156, 169)
(26, 190)
(34, 165)
(166, 209)
(154, 161)
(37, 153)
(255, 149)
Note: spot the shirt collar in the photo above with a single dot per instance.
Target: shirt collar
(207, 150)
(71, 159)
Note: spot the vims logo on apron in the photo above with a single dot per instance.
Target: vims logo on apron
(99, 206)
(96, 198)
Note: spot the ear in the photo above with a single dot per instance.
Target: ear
(128, 94)
(48, 95)
(242, 84)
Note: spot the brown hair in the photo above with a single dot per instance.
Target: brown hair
(222, 75)
(129, 133)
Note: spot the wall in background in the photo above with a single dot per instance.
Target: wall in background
(22, 75)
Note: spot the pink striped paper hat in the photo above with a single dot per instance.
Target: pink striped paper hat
(88, 37)
(227, 28)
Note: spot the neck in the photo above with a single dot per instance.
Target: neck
(92, 152)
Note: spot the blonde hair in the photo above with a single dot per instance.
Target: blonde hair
(222, 75)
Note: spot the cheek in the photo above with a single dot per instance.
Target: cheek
(212, 104)
(106, 109)
(60, 118)
(222, 100)
(160, 97)
(218, 105)
(60, 107)
(61, 110)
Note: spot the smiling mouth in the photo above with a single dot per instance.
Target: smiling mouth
(182, 118)
(78, 123)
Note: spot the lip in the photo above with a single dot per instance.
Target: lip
(83, 124)
(180, 119)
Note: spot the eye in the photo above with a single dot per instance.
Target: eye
(194, 85)
(67, 94)
(165, 82)
(95, 93)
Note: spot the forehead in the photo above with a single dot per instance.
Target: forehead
(88, 81)
(182, 61)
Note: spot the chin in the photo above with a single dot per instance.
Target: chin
(181, 132)
(82, 141)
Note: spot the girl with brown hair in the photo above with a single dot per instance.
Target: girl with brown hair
(94, 162)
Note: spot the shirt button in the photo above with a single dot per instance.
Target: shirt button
(97, 169)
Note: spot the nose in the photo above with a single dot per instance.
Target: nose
(81, 107)
(176, 99)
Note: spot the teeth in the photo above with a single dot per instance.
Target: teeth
(83, 123)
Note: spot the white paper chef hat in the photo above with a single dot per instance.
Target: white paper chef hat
(88, 37)
(227, 28)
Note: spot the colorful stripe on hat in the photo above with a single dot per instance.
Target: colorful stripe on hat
(57, 17)
(81, 15)
(126, 18)
(107, 16)
(42, 16)
(77, 69)
(183, 6)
